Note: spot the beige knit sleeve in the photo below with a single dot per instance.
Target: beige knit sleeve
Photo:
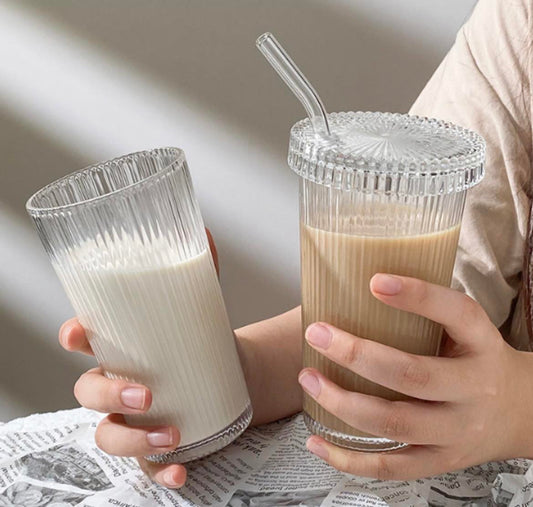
(484, 84)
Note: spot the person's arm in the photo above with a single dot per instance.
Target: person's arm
(271, 355)
(484, 84)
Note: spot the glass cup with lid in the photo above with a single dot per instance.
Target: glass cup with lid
(384, 193)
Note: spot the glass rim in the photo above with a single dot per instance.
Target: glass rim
(34, 209)
(336, 162)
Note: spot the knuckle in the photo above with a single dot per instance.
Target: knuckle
(490, 391)
(478, 428)
(383, 470)
(413, 374)
(470, 310)
(334, 404)
(394, 425)
(477, 424)
(352, 352)
(420, 291)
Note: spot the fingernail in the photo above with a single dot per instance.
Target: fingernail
(133, 397)
(63, 331)
(168, 477)
(310, 383)
(317, 448)
(319, 335)
(160, 438)
(386, 284)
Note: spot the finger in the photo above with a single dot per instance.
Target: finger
(95, 391)
(463, 318)
(411, 463)
(412, 422)
(115, 437)
(72, 337)
(424, 377)
(213, 249)
(170, 476)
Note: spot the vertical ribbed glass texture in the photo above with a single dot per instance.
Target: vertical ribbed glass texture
(387, 198)
(128, 243)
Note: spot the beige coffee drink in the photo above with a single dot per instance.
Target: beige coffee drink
(336, 272)
(384, 194)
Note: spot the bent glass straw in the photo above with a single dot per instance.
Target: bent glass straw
(296, 81)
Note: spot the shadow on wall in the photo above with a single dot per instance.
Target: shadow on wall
(33, 368)
(29, 161)
(205, 50)
(40, 376)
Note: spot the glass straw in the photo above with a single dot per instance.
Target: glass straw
(296, 81)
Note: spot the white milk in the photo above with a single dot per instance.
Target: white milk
(164, 326)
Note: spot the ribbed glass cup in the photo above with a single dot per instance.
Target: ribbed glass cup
(385, 195)
(128, 243)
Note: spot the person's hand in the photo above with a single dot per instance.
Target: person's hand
(117, 397)
(470, 406)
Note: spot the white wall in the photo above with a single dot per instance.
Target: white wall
(84, 81)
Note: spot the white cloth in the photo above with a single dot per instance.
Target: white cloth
(484, 84)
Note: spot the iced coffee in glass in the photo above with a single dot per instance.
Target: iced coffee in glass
(384, 194)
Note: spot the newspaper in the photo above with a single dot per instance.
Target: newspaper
(51, 459)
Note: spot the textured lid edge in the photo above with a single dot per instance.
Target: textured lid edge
(321, 162)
